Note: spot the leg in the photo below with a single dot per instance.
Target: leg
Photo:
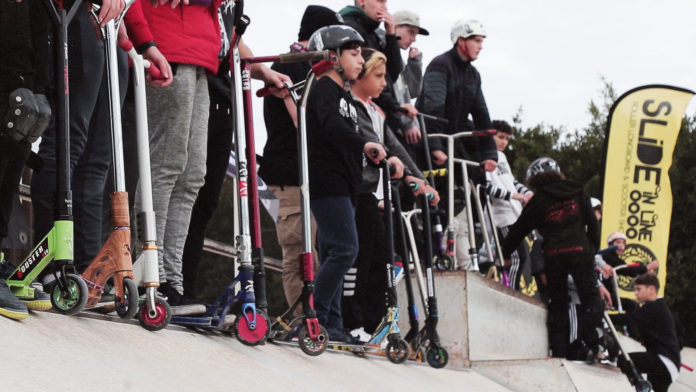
(289, 233)
(557, 322)
(186, 187)
(339, 247)
(461, 230)
(169, 113)
(650, 364)
(591, 304)
(86, 65)
(219, 145)
(90, 175)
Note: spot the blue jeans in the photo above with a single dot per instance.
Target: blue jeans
(338, 247)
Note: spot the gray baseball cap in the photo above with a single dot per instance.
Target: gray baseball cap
(405, 17)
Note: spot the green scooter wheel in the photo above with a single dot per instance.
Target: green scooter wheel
(73, 299)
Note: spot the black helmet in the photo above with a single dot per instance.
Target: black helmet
(334, 37)
(541, 165)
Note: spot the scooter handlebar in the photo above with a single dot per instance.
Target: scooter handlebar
(304, 56)
(323, 66)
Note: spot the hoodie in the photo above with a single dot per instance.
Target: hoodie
(562, 213)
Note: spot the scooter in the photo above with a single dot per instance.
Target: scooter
(444, 257)
(473, 252)
(251, 324)
(69, 294)
(311, 337)
(114, 258)
(397, 349)
(425, 343)
(155, 313)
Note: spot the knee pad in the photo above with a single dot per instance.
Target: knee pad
(27, 116)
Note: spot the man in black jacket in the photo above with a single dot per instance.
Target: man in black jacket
(452, 90)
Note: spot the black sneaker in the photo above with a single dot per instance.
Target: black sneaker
(6, 268)
(341, 336)
(174, 298)
(10, 306)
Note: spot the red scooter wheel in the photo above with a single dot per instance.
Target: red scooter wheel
(248, 335)
(161, 318)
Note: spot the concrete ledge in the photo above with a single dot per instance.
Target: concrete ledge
(552, 375)
(483, 320)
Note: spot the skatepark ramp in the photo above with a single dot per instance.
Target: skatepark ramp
(496, 339)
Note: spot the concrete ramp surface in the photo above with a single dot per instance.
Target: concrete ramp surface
(51, 352)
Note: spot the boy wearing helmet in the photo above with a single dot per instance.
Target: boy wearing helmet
(561, 211)
(614, 259)
(337, 153)
(452, 90)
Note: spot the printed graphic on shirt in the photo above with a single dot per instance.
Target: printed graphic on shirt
(504, 168)
(347, 110)
(560, 212)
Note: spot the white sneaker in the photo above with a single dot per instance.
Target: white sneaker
(360, 334)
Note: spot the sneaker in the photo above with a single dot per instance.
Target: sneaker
(173, 297)
(340, 336)
(41, 301)
(6, 268)
(361, 335)
(10, 306)
(398, 272)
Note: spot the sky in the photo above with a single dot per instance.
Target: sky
(545, 57)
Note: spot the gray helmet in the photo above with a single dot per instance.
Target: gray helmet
(541, 165)
(333, 38)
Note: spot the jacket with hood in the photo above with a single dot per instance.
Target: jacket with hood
(377, 39)
(373, 127)
(562, 213)
(356, 18)
(452, 90)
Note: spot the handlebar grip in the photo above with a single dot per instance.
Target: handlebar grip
(487, 132)
(304, 56)
(126, 45)
(322, 66)
(154, 72)
(266, 91)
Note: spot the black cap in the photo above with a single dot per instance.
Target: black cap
(316, 17)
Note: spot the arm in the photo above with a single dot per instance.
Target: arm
(528, 220)
(432, 101)
(397, 149)
(412, 74)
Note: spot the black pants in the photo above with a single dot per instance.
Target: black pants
(580, 267)
(367, 305)
(16, 71)
(90, 143)
(650, 364)
(220, 133)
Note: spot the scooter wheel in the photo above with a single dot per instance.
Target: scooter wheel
(443, 262)
(249, 336)
(397, 351)
(437, 356)
(644, 386)
(312, 347)
(75, 297)
(162, 317)
(127, 308)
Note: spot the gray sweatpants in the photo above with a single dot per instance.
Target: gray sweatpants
(178, 125)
